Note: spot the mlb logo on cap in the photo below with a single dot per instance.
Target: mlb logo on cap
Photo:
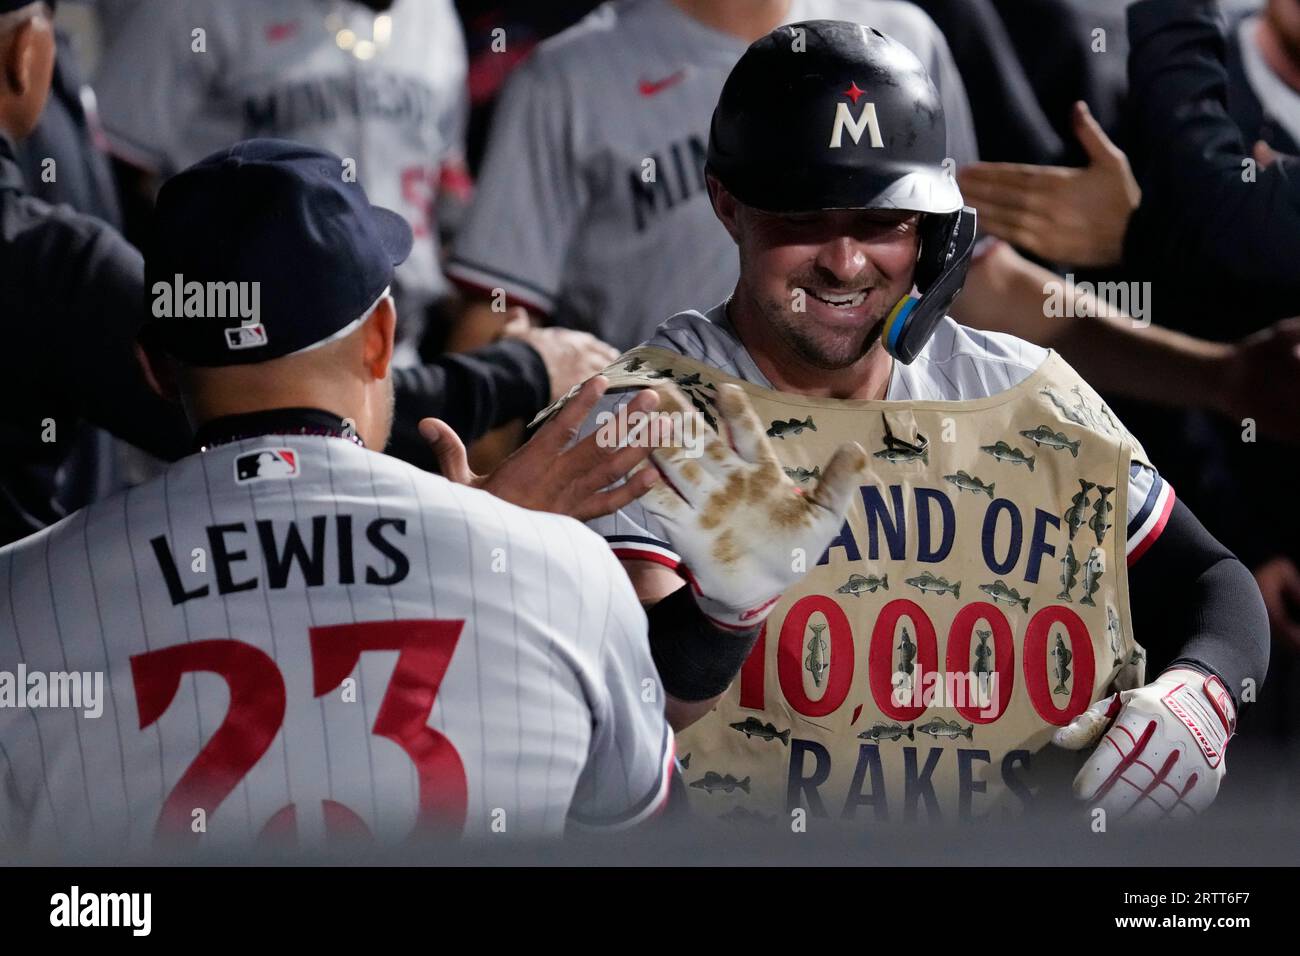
(246, 336)
(266, 463)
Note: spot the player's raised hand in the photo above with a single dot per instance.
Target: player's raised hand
(1159, 749)
(1064, 214)
(737, 520)
(552, 473)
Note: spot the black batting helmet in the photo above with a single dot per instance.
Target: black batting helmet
(827, 114)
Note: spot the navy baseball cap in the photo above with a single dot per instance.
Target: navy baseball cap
(262, 250)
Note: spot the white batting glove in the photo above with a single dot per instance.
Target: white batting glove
(737, 519)
(1163, 756)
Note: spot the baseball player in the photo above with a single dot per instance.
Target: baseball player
(596, 155)
(299, 638)
(596, 161)
(978, 601)
(382, 83)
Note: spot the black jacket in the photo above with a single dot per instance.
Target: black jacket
(71, 298)
(1218, 250)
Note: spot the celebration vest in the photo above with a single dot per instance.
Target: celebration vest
(975, 599)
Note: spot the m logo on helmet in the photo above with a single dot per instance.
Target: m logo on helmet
(844, 119)
(865, 120)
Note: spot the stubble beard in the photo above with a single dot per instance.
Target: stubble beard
(818, 346)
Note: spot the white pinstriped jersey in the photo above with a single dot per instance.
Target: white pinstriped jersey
(304, 639)
(958, 363)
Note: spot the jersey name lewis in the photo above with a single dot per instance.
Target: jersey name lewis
(241, 557)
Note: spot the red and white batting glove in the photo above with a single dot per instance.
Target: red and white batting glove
(1163, 755)
(744, 530)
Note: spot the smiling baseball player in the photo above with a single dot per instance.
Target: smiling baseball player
(302, 639)
(596, 162)
(978, 602)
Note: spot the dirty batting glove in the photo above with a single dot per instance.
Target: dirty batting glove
(734, 516)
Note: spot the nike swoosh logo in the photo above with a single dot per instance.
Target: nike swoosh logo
(279, 32)
(655, 87)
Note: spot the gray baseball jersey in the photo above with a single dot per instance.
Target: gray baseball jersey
(279, 69)
(958, 363)
(591, 204)
(300, 639)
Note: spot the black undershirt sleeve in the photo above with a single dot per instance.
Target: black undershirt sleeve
(1193, 602)
(473, 392)
(696, 660)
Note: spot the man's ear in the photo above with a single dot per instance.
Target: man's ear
(19, 65)
(159, 371)
(725, 206)
(380, 331)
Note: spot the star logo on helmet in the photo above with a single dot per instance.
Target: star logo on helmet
(853, 92)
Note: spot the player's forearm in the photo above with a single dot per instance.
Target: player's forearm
(653, 583)
(1151, 364)
(1192, 601)
(696, 660)
(1007, 293)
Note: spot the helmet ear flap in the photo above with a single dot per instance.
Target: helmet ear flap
(947, 240)
(938, 240)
